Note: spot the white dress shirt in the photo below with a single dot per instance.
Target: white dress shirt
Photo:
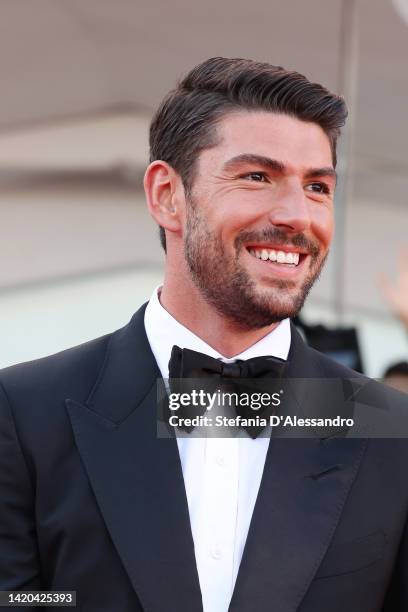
(221, 475)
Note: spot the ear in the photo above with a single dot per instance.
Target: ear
(165, 195)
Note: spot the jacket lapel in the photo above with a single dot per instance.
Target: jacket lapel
(136, 477)
(303, 490)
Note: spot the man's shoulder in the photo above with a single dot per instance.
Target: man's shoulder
(34, 396)
(72, 369)
(375, 390)
(38, 387)
(330, 367)
(310, 362)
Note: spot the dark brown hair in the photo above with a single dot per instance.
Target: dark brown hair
(185, 123)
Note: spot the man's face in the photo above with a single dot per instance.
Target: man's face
(259, 220)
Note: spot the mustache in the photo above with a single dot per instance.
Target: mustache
(279, 238)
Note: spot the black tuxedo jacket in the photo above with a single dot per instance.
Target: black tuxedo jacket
(92, 501)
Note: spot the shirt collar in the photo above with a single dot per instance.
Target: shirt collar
(164, 331)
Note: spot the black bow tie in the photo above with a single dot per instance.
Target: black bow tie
(237, 377)
(185, 363)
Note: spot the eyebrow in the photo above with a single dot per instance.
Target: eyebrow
(275, 166)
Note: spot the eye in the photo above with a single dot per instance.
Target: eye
(318, 188)
(258, 177)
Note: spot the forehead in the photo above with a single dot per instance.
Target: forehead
(281, 137)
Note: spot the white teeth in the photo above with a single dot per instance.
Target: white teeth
(278, 256)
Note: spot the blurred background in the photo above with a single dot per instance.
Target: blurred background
(80, 81)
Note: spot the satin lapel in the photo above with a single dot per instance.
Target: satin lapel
(137, 478)
(302, 494)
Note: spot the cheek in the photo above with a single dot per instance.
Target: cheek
(241, 213)
(322, 225)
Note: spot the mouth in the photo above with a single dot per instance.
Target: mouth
(282, 256)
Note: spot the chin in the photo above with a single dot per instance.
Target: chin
(264, 313)
(277, 307)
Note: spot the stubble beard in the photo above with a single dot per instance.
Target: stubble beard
(226, 285)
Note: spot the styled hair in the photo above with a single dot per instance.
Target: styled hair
(185, 122)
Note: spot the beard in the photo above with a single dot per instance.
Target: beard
(227, 286)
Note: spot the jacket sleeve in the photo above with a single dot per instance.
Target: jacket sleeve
(19, 559)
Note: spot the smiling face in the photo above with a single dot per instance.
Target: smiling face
(259, 219)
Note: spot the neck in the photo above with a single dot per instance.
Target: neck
(223, 335)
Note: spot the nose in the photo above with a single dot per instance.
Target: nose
(290, 208)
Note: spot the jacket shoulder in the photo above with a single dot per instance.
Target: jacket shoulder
(329, 367)
(71, 371)
(376, 391)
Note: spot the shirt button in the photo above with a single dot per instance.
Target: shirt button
(220, 461)
(216, 553)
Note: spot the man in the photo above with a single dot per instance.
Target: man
(241, 182)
